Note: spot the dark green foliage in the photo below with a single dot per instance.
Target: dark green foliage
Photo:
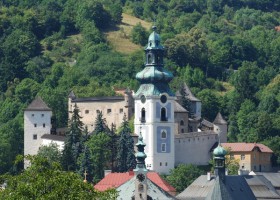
(100, 125)
(182, 176)
(50, 152)
(46, 180)
(85, 166)
(125, 158)
(73, 142)
(139, 35)
(100, 154)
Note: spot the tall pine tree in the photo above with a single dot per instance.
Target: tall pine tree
(100, 124)
(125, 149)
(73, 146)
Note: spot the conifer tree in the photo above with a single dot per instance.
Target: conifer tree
(100, 124)
(113, 146)
(85, 165)
(186, 103)
(73, 146)
(125, 149)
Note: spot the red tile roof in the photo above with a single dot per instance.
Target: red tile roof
(114, 180)
(246, 147)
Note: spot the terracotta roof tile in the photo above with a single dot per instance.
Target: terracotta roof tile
(246, 147)
(155, 178)
(114, 180)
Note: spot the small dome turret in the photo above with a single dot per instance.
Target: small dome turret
(219, 151)
(154, 40)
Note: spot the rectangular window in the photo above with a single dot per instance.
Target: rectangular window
(97, 111)
(242, 156)
(44, 125)
(35, 137)
(166, 164)
(35, 125)
(163, 147)
(86, 111)
(42, 115)
(32, 115)
(109, 111)
(121, 110)
(160, 164)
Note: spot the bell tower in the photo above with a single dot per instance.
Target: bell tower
(154, 108)
(140, 171)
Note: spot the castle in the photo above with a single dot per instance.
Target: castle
(171, 135)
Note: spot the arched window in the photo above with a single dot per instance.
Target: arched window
(163, 114)
(143, 115)
(149, 58)
(182, 123)
(163, 135)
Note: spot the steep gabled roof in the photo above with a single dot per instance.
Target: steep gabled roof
(114, 180)
(38, 105)
(126, 191)
(178, 108)
(219, 119)
(189, 94)
(234, 187)
(246, 147)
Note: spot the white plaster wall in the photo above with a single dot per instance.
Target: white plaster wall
(221, 129)
(31, 146)
(148, 130)
(198, 109)
(194, 150)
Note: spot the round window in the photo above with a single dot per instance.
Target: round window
(163, 99)
(143, 99)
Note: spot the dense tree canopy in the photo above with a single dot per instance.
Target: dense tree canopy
(226, 51)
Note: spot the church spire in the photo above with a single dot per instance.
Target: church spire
(154, 78)
(140, 155)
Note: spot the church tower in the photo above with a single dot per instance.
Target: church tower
(141, 187)
(154, 108)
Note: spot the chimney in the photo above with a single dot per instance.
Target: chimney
(208, 176)
(107, 171)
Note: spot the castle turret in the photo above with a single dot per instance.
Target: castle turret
(220, 126)
(219, 161)
(37, 122)
(154, 108)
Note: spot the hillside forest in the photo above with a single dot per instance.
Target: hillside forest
(226, 51)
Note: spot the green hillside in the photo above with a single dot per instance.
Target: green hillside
(226, 51)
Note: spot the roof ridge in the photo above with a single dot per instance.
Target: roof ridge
(38, 105)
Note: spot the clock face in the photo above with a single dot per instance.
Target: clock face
(163, 99)
(143, 99)
(141, 177)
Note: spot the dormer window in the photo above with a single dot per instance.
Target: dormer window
(163, 114)
(143, 115)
